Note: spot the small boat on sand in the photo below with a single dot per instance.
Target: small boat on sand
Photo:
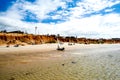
(59, 47)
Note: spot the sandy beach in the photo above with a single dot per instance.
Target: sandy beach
(44, 62)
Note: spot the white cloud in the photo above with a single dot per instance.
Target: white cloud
(109, 10)
(42, 7)
(90, 6)
(95, 26)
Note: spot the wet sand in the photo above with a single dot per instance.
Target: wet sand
(77, 62)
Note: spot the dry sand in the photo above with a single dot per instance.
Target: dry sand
(44, 62)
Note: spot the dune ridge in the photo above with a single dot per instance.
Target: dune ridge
(22, 38)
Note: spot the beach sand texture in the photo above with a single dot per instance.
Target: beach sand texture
(44, 62)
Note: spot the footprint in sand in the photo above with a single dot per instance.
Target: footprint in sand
(73, 62)
(28, 73)
(12, 78)
(63, 64)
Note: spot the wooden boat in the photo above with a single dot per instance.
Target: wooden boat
(59, 48)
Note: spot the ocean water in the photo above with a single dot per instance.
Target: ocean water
(93, 62)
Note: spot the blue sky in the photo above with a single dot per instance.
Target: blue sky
(83, 18)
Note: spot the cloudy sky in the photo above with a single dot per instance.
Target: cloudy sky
(82, 18)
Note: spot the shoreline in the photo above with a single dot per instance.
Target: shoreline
(44, 47)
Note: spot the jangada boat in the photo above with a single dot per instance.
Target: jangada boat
(59, 47)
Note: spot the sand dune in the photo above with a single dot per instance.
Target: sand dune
(30, 39)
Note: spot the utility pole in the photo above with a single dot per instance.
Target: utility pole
(35, 30)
